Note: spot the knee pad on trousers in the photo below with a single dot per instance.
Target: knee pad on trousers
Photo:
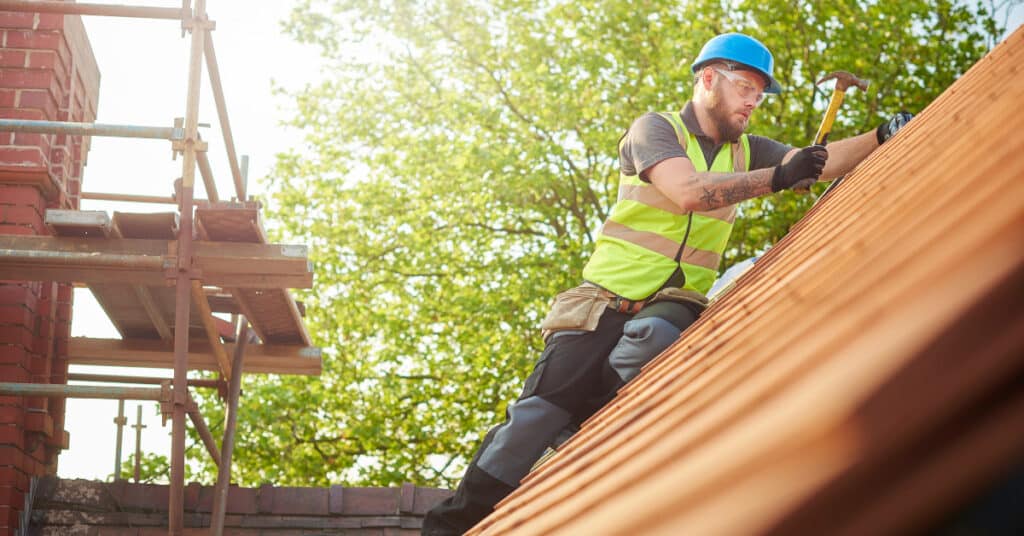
(532, 424)
(642, 340)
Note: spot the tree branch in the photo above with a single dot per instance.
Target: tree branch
(505, 230)
(507, 99)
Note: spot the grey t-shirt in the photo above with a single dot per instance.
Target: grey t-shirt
(651, 139)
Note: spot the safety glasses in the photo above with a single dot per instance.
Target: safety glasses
(743, 86)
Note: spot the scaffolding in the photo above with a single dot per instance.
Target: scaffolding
(162, 277)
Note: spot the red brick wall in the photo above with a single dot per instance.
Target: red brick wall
(47, 72)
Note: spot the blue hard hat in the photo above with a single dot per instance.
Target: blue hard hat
(740, 48)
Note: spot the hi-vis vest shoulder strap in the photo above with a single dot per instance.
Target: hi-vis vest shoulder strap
(647, 236)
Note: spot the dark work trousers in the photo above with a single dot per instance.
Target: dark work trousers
(577, 374)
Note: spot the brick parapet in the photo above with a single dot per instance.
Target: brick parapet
(128, 508)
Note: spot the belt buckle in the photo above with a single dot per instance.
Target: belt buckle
(625, 305)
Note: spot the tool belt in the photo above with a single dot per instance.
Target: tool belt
(580, 308)
(695, 299)
(624, 305)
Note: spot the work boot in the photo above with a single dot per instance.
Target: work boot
(473, 501)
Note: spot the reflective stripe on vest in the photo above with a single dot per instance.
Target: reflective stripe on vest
(637, 246)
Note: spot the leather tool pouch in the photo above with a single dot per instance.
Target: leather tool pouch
(578, 308)
(679, 295)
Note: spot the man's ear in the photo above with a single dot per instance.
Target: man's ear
(705, 77)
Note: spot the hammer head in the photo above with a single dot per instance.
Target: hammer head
(844, 80)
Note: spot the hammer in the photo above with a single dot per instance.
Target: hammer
(843, 82)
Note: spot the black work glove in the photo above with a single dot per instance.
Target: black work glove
(806, 165)
(889, 128)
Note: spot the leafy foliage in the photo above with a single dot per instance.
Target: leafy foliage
(460, 155)
(153, 469)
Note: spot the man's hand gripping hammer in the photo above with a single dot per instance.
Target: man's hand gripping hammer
(844, 81)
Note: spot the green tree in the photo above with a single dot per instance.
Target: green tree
(459, 156)
(153, 469)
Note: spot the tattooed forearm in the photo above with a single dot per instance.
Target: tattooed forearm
(709, 197)
(739, 191)
(723, 189)
(691, 190)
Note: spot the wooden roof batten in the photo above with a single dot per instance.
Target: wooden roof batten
(891, 398)
(154, 275)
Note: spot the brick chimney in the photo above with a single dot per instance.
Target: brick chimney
(47, 72)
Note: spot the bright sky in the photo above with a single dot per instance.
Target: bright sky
(144, 74)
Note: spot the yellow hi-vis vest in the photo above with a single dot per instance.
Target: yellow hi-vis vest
(646, 234)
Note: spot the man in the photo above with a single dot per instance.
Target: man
(655, 258)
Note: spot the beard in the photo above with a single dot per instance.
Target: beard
(727, 128)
